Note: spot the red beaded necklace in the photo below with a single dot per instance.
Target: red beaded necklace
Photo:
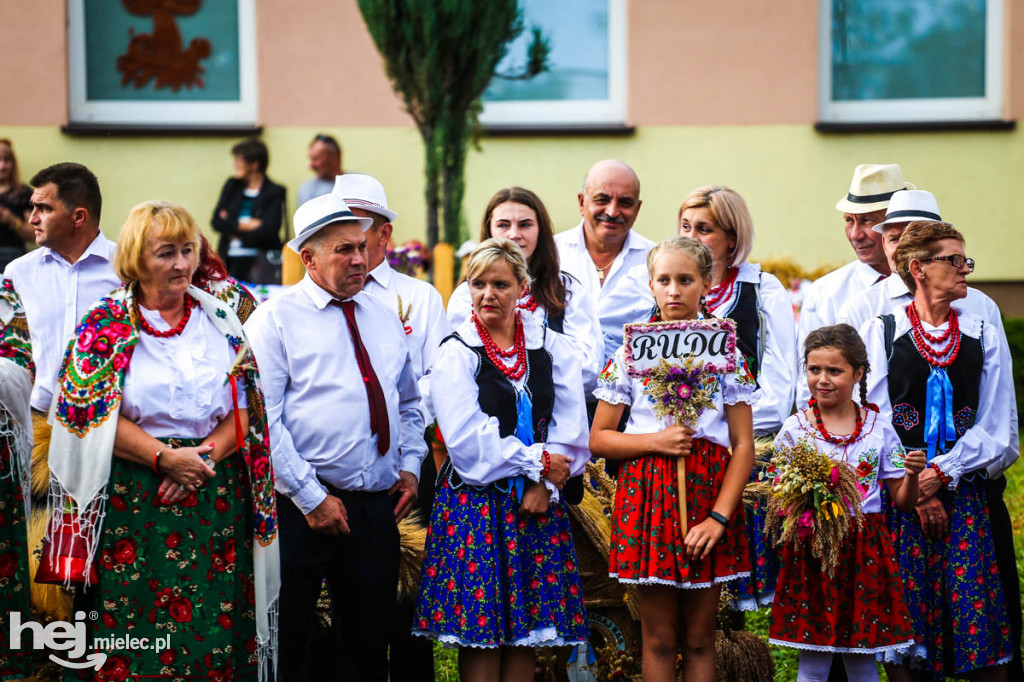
(174, 331)
(837, 440)
(722, 292)
(529, 305)
(494, 354)
(923, 340)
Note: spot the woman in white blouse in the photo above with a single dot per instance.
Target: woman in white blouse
(765, 333)
(160, 464)
(500, 576)
(937, 376)
(558, 298)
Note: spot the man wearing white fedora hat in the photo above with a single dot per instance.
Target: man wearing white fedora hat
(862, 208)
(904, 208)
(343, 409)
(419, 307)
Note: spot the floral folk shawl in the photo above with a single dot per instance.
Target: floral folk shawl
(84, 419)
(17, 371)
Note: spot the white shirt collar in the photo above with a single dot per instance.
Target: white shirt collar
(633, 239)
(895, 287)
(322, 298)
(99, 247)
(382, 273)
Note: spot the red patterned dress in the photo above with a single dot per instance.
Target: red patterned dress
(860, 609)
(647, 544)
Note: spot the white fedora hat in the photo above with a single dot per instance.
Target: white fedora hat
(318, 213)
(908, 206)
(365, 192)
(872, 186)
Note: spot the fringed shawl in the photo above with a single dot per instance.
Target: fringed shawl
(84, 418)
(17, 371)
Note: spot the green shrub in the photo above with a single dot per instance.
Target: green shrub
(1015, 337)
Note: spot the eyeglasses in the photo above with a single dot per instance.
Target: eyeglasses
(956, 260)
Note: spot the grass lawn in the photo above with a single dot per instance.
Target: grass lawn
(446, 669)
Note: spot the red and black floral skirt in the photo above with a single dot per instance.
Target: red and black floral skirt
(647, 545)
(858, 610)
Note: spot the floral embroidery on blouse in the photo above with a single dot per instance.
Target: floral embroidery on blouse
(905, 416)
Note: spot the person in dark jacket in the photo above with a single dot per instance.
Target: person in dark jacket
(248, 216)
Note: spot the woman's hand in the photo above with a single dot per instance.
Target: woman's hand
(535, 499)
(558, 474)
(934, 520)
(172, 493)
(929, 483)
(914, 462)
(675, 441)
(186, 466)
(702, 538)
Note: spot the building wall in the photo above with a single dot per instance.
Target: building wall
(719, 92)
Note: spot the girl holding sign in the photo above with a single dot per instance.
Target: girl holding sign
(679, 575)
(859, 610)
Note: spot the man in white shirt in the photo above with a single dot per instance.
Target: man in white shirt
(603, 249)
(904, 208)
(59, 281)
(862, 208)
(347, 433)
(420, 309)
(325, 162)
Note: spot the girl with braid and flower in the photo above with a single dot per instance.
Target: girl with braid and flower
(939, 379)
(857, 609)
(679, 577)
(161, 488)
(499, 576)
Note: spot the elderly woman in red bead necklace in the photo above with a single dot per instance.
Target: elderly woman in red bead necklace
(940, 380)
(499, 576)
(718, 217)
(163, 490)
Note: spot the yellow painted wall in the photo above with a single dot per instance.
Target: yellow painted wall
(790, 176)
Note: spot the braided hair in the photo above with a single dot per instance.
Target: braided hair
(847, 341)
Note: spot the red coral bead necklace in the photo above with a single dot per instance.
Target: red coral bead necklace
(495, 354)
(837, 440)
(722, 292)
(923, 340)
(174, 331)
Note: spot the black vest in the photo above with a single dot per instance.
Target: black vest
(745, 313)
(497, 397)
(908, 377)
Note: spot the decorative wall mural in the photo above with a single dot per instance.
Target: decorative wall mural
(159, 56)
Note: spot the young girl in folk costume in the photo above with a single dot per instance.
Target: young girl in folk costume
(858, 611)
(679, 577)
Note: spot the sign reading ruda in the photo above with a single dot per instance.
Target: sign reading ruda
(710, 343)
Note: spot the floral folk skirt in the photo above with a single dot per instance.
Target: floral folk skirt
(757, 590)
(952, 587)
(647, 545)
(859, 610)
(14, 584)
(492, 577)
(181, 572)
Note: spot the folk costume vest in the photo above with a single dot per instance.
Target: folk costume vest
(497, 397)
(745, 310)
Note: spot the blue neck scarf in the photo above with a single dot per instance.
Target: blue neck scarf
(938, 415)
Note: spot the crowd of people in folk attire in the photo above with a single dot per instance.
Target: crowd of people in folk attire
(212, 462)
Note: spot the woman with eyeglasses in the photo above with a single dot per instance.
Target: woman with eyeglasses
(941, 381)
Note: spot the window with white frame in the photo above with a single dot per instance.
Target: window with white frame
(586, 80)
(909, 61)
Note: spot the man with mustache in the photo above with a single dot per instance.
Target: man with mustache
(343, 409)
(602, 250)
(862, 208)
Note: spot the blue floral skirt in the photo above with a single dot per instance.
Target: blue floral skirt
(757, 590)
(494, 578)
(952, 587)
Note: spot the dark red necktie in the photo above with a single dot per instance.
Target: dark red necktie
(378, 406)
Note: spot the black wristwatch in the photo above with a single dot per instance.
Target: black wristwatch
(720, 518)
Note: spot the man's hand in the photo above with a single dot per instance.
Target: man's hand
(934, 521)
(410, 491)
(535, 499)
(330, 517)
